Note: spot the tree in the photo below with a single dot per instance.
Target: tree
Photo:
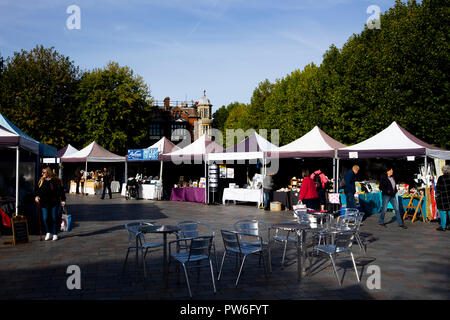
(115, 108)
(397, 73)
(37, 94)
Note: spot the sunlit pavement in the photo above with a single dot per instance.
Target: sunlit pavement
(413, 263)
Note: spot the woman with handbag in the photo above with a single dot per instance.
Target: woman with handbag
(50, 194)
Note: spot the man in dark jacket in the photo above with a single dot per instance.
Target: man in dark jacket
(388, 189)
(106, 183)
(350, 189)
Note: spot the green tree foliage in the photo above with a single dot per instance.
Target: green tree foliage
(115, 108)
(399, 72)
(37, 94)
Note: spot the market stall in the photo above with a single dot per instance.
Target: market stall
(395, 142)
(314, 144)
(250, 149)
(194, 153)
(93, 153)
(150, 186)
(11, 137)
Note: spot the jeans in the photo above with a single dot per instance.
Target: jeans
(106, 186)
(50, 227)
(267, 200)
(393, 200)
(351, 203)
(443, 214)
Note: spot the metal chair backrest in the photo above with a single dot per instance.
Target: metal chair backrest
(351, 211)
(133, 232)
(193, 229)
(346, 222)
(231, 239)
(344, 239)
(200, 246)
(252, 227)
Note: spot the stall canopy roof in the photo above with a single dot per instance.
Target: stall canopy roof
(93, 153)
(165, 146)
(315, 143)
(23, 140)
(393, 142)
(66, 151)
(253, 147)
(197, 149)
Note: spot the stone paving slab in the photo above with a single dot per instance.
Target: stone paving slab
(414, 263)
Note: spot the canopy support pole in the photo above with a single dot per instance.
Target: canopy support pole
(337, 176)
(206, 193)
(85, 179)
(17, 180)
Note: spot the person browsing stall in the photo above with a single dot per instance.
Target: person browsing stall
(350, 188)
(320, 180)
(106, 174)
(267, 188)
(308, 193)
(443, 197)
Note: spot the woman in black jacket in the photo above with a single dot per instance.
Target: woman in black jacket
(443, 197)
(388, 189)
(49, 195)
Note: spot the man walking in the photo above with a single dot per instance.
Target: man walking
(388, 189)
(350, 189)
(106, 183)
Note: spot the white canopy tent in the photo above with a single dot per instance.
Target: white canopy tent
(12, 139)
(394, 142)
(92, 153)
(195, 152)
(314, 144)
(64, 152)
(164, 145)
(253, 147)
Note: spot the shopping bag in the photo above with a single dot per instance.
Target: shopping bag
(299, 208)
(66, 220)
(334, 198)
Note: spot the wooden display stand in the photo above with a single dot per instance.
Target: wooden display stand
(416, 209)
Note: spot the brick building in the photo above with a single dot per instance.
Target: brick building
(171, 119)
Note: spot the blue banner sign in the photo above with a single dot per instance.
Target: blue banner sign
(143, 154)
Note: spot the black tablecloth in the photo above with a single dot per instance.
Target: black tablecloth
(287, 199)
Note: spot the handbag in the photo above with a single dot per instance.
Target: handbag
(66, 220)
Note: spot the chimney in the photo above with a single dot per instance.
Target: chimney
(167, 103)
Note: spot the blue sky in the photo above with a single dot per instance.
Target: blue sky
(181, 48)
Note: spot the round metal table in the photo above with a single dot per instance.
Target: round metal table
(299, 228)
(164, 229)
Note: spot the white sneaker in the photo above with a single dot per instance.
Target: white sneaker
(55, 237)
(47, 236)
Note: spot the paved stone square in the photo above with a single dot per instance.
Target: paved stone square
(414, 263)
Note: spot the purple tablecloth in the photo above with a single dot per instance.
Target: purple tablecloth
(188, 194)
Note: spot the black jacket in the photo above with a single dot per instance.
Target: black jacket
(443, 192)
(386, 186)
(51, 193)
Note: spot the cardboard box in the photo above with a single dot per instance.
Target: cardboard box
(275, 206)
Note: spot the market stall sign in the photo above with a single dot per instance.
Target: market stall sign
(143, 154)
(20, 230)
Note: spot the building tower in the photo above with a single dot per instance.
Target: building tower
(203, 125)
